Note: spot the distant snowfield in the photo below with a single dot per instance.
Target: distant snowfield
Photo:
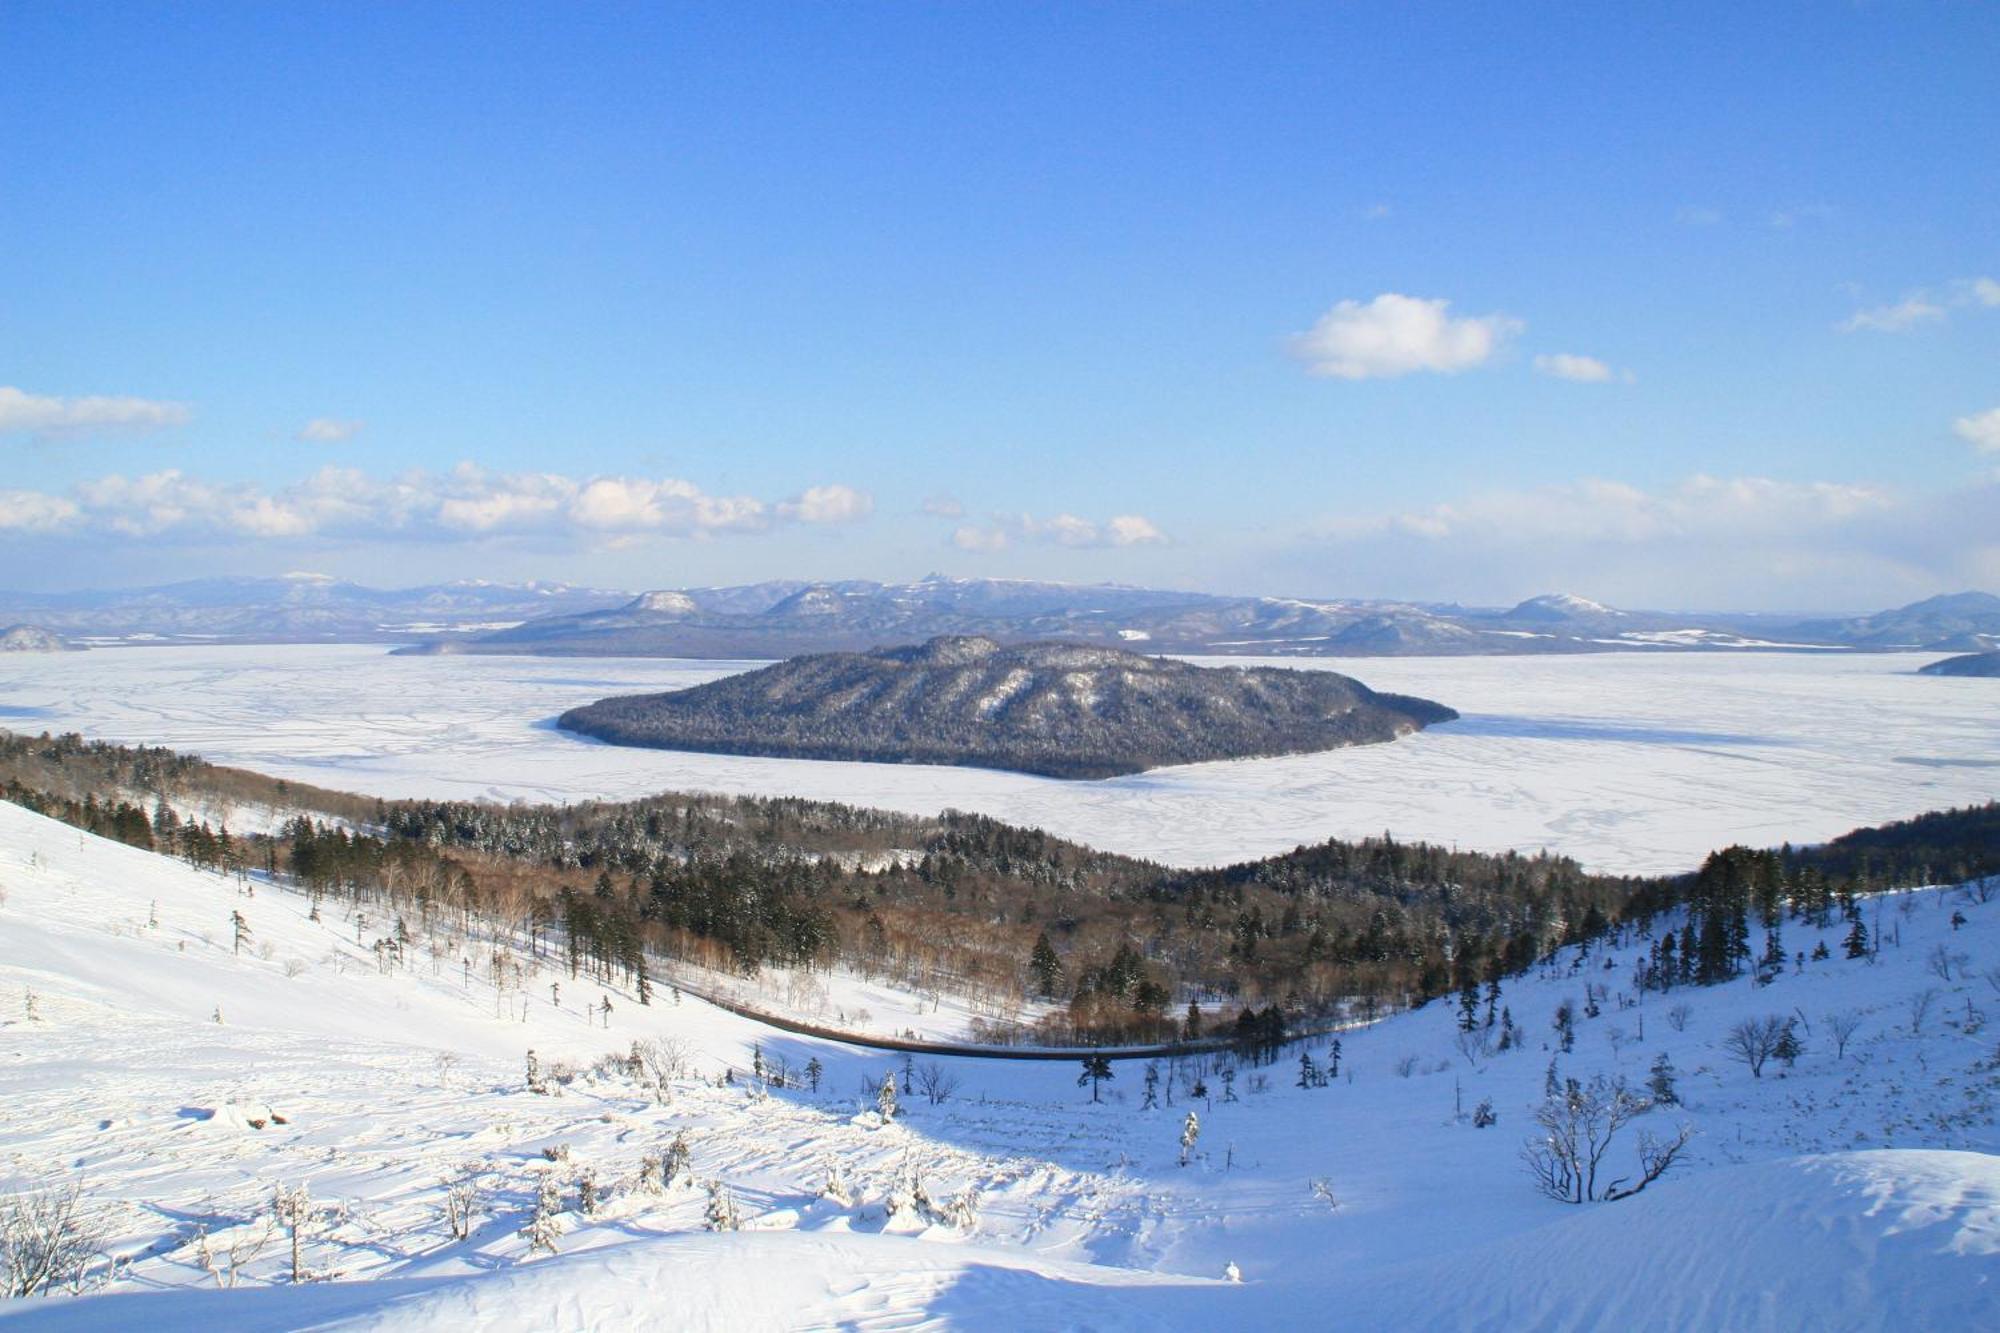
(1632, 762)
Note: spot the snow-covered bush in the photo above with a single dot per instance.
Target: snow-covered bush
(48, 1237)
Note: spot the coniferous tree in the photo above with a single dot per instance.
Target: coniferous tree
(1045, 966)
(1096, 1069)
(1856, 942)
(1190, 1132)
(1660, 1082)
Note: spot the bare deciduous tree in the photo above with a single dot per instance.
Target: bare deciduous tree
(1755, 1040)
(1920, 1008)
(1578, 1126)
(1677, 1017)
(1842, 1027)
(461, 1202)
(936, 1082)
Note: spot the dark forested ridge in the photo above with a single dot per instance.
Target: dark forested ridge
(969, 905)
(1968, 664)
(1058, 709)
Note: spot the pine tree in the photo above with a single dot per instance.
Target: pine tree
(1096, 1069)
(814, 1070)
(1045, 966)
(1788, 1047)
(1333, 1059)
(674, 1162)
(240, 928)
(1190, 1132)
(1857, 939)
(720, 1213)
(1660, 1082)
(1309, 1076)
(545, 1228)
(1152, 1092)
(885, 1097)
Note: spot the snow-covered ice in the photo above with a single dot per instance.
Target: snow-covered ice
(1636, 762)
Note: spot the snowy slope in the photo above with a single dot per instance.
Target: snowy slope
(1848, 1192)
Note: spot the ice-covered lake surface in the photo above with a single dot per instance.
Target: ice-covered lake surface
(1630, 762)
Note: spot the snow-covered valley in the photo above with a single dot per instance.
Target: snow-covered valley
(1629, 762)
(1854, 1189)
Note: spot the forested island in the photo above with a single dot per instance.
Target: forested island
(1062, 710)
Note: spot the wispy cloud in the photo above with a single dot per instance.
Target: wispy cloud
(40, 414)
(1395, 335)
(328, 430)
(1713, 541)
(1058, 530)
(1581, 369)
(1923, 307)
(1909, 313)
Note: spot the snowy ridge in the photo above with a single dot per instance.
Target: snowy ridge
(1856, 1189)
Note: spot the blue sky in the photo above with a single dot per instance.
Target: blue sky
(1692, 306)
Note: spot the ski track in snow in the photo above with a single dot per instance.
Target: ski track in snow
(1636, 763)
(123, 1078)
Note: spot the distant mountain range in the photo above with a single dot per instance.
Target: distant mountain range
(294, 608)
(785, 618)
(1064, 710)
(776, 620)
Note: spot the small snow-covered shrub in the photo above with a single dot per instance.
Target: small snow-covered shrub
(48, 1237)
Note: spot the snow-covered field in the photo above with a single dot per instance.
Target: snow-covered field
(1632, 761)
(1854, 1190)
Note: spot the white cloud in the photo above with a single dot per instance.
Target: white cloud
(328, 430)
(1569, 366)
(39, 414)
(1133, 530)
(1901, 317)
(1059, 530)
(1983, 291)
(944, 506)
(969, 538)
(466, 503)
(1981, 430)
(829, 504)
(31, 511)
(1396, 335)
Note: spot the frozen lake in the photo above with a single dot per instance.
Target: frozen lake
(1630, 761)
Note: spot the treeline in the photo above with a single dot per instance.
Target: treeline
(1122, 949)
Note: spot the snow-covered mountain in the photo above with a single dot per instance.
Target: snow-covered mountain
(784, 618)
(182, 1070)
